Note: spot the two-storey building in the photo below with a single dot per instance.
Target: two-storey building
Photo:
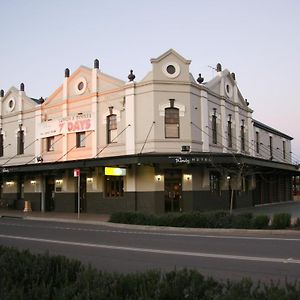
(168, 142)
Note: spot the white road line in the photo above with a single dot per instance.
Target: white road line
(157, 251)
(194, 235)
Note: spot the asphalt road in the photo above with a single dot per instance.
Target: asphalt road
(221, 255)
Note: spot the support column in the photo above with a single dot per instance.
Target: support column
(130, 118)
(204, 121)
(65, 113)
(95, 114)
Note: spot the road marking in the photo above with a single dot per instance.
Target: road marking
(157, 251)
(193, 235)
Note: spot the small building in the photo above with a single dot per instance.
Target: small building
(168, 142)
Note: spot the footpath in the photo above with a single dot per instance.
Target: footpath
(56, 216)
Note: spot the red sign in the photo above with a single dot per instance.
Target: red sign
(76, 172)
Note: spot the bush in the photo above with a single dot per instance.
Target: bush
(40, 277)
(260, 222)
(281, 221)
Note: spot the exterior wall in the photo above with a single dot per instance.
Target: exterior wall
(277, 149)
(140, 110)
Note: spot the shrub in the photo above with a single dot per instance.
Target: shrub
(281, 221)
(260, 222)
(242, 220)
(40, 277)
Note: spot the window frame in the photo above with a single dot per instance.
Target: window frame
(172, 121)
(50, 143)
(1, 144)
(20, 142)
(111, 125)
(214, 129)
(243, 138)
(271, 146)
(257, 142)
(80, 142)
(214, 182)
(113, 186)
(229, 133)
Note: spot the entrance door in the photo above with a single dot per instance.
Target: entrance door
(173, 190)
(49, 193)
(83, 192)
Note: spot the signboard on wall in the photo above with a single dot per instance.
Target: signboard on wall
(109, 171)
(70, 124)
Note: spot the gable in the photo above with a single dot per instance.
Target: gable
(11, 102)
(224, 84)
(170, 66)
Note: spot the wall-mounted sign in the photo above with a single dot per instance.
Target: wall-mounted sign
(189, 160)
(76, 123)
(76, 172)
(109, 171)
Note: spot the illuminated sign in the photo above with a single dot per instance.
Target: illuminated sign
(109, 171)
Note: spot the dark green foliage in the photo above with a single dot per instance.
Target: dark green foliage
(38, 277)
(281, 221)
(260, 222)
(212, 219)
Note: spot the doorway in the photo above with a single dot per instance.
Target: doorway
(173, 191)
(49, 193)
(82, 193)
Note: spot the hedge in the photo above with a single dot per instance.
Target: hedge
(211, 219)
(40, 277)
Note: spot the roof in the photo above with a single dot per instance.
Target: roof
(271, 130)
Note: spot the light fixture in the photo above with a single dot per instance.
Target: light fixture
(158, 177)
(89, 179)
(58, 181)
(228, 177)
(10, 183)
(33, 182)
(187, 177)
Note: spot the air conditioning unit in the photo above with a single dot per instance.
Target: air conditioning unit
(185, 148)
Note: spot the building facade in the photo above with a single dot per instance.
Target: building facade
(168, 142)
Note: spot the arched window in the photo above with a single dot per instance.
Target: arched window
(171, 121)
(111, 125)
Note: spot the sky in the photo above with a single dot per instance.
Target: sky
(257, 40)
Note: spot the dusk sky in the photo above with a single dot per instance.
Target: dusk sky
(257, 40)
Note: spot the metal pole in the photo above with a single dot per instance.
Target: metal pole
(78, 197)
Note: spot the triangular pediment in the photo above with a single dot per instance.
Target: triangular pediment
(170, 52)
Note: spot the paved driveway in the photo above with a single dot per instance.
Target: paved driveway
(292, 207)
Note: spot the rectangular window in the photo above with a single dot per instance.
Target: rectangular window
(50, 143)
(214, 129)
(1, 144)
(229, 131)
(257, 142)
(242, 138)
(283, 149)
(111, 128)
(20, 142)
(80, 139)
(171, 122)
(271, 148)
(214, 179)
(114, 186)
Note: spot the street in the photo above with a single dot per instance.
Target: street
(219, 254)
